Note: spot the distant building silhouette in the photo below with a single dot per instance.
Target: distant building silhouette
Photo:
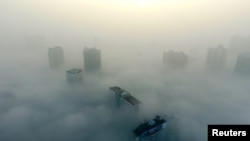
(125, 99)
(149, 130)
(242, 65)
(92, 59)
(239, 44)
(216, 58)
(74, 75)
(175, 60)
(56, 57)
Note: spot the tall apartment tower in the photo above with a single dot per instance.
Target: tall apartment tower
(149, 130)
(56, 57)
(216, 58)
(92, 59)
(175, 60)
(242, 65)
(125, 99)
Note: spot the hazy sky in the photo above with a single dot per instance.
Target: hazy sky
(194, 22)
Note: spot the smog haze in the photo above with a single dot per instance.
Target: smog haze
(138, 39)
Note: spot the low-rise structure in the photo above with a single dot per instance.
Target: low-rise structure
(74, 75)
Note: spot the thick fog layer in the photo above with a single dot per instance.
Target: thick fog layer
(37, 104)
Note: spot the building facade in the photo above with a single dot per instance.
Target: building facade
(242, 65)
(216, 58)
(239, 44)
(92, 59)
(56, 57)
(175, 60)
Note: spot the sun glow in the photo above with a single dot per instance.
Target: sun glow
(143, 2)
(134, 2)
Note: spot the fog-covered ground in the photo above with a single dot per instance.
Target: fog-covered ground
(38, 104)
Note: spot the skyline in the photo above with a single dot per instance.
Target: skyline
(37, 103)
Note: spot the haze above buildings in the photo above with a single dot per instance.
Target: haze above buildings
(124, 24)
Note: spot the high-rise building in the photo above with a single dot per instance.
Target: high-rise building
(56, 57)
(125, 99)
(175, 60)
(74, 75)
(149, 130)
(242, 65)
(216, 58)
(239, 44)
(92, 59)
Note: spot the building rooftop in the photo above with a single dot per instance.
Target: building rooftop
(56, 48)
(125, 95)
(132, 100)
(74, 71)
(117, 89)
(91, 49)
(145, 127)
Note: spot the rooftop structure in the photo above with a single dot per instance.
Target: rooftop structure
(74, 75)
(131, 100)
(116, 89)
(74, 71)
(125, 98)
(148, 130)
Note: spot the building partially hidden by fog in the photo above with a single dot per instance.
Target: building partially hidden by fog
(56, 57)
(216, 58)
(175, 60)
(239, 44)
(149, 130)
(92, 59)
(74, 75)
(125, 99)
(242, 65)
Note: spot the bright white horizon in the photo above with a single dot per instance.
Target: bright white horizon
(194, 22)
